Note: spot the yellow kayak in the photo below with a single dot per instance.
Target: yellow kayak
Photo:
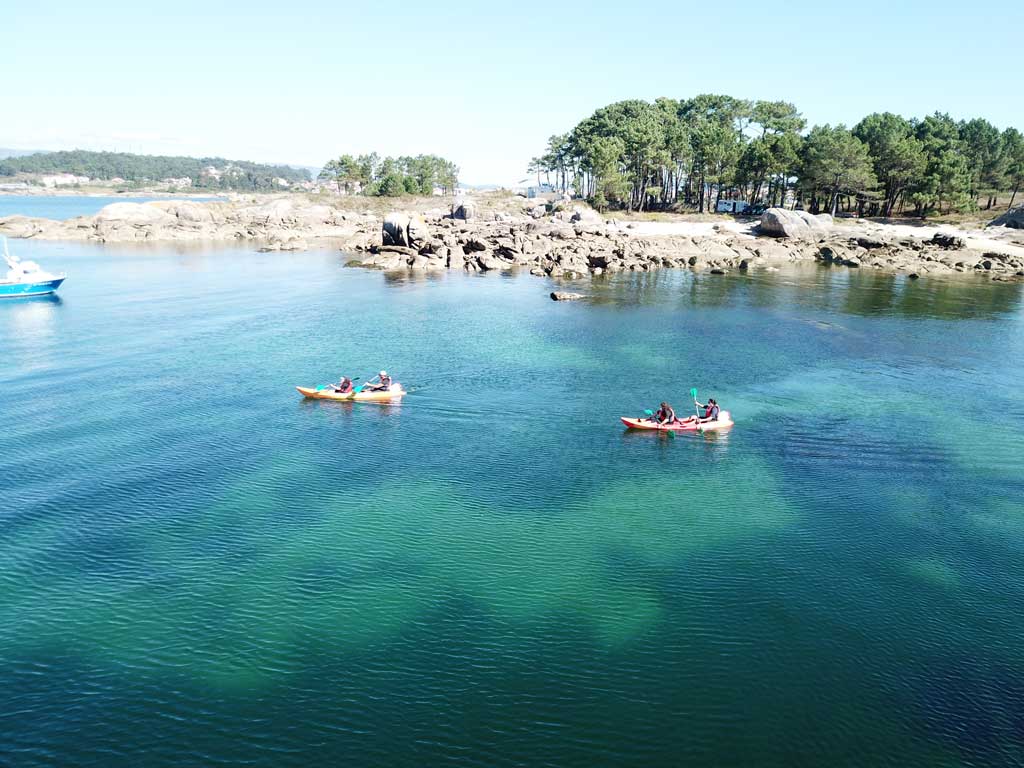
(394, 393)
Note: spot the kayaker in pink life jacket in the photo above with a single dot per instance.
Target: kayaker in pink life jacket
(666, 414)
(344, 386)
(711, 410)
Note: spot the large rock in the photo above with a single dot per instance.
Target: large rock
(463, 209)
(385, 261)
(135, 215)
(395, 230)
(870, 243)
(188, 212)
(489, 261)
(566, 296)
(781, 222)
(276, 212)
(948, 242)
(418, 235)
(1012, 219)
(404, 230)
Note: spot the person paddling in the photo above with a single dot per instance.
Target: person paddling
(344, 386)
(380, 383)
(711, 410)
(666, 414)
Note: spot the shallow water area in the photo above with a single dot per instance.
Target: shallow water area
(199, 566)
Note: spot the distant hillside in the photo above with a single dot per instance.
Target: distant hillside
(203, 172)
(8, 152)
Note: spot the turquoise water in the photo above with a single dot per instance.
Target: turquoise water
(62, 207)
(197, 567)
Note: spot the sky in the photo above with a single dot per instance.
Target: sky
(483, 84)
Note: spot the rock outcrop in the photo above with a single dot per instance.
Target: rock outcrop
(463, 209)
(557, 248)
(275, 222)
(1012, 219)
(949, 242)
(404, 230)
(782, 222)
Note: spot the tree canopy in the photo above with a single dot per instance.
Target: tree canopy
(390, 176)
(637, 155)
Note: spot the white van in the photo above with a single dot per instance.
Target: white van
(731, 206)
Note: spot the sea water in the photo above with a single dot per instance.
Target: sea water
(199, 567)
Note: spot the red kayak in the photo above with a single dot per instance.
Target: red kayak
(724, 422)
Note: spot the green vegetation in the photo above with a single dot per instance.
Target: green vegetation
(390, 177)
(214, 173)
(640, 156)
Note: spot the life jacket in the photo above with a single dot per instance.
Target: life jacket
(713, 413)
(385, 381)
(345, 385)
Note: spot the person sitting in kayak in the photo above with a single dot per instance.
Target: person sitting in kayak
(344, 386)
(711, 410)
(666, 414)
(380, 383)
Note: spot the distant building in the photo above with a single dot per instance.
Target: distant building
(184, 181)
(531, 188)
(62, 180)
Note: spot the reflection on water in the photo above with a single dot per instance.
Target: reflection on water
(405, 277)
(33, 319)
(814, 286)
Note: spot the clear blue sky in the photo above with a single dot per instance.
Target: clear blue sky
(482, 83)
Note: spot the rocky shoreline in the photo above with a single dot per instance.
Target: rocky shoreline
(578, 243)
(560, 240)
(278, 224)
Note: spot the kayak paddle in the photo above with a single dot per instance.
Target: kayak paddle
(693, 394)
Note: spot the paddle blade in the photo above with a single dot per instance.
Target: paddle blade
(321, 387)
(693, 393)
(671, 434)
(648, 412)
(357, 390)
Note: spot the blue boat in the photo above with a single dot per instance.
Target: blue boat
(26, 278)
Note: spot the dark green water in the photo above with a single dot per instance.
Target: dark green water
(199, 568)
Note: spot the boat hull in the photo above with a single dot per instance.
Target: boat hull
(724, 422)
(359, 397)
(21, 290)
